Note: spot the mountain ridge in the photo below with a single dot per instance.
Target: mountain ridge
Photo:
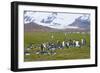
(33, 27)
(52, 22)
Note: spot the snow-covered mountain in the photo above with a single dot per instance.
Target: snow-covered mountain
(82, 22)
(57, 20)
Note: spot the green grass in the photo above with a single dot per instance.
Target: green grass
(64, 54)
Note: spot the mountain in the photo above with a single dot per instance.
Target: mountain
(50, 18)
(34, 27)
(82, 23)
(53, 21)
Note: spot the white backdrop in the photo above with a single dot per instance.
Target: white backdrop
(5, 17)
